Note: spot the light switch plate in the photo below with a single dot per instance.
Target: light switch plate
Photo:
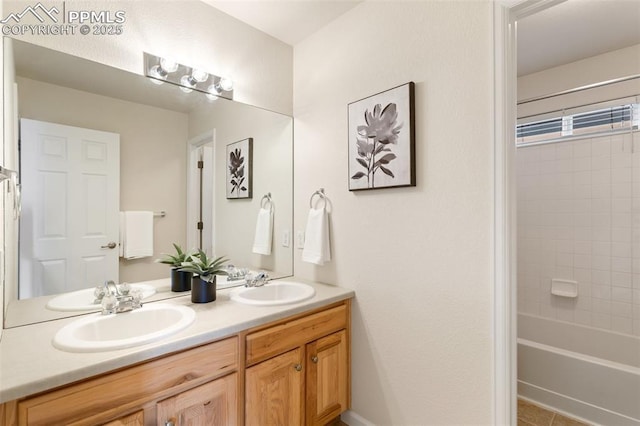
(300, 239)
(286, 239)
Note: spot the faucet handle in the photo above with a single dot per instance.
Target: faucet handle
(109, 304)
(99, 293)
(124, 288)
(136, 298)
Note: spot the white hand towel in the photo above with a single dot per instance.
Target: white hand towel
(137, 234)
(264, 232)
(316, 240)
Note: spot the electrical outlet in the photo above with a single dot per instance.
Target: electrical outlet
(286, 239)
(300, 239)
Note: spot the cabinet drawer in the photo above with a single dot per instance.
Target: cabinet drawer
(101, 398)
(280, 338)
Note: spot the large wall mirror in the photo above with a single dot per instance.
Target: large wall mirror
(161, 134)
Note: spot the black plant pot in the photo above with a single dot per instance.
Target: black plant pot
(180, 280)
(203, 291)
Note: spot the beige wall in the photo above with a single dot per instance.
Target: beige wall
(418, 258)
(235, 220)
(152, 158)
(192, 33)
(608, 66)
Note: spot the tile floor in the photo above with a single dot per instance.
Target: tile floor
(532, 415)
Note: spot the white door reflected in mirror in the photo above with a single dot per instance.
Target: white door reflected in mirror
(70, 178)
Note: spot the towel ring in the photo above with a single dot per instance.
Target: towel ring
(319, 193)
(268, 199)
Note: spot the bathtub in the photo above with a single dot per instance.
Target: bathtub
(584, 372)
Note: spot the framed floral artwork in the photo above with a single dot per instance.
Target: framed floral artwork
(382, 140)
(239, 169)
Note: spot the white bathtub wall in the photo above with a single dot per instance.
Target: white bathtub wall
(579, 219)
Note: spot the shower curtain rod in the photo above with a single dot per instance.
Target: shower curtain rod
(562, 110)
(580, 89)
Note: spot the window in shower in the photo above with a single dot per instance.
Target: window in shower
(563, 125)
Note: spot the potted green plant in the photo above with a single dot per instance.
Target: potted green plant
(180, 280)
(203, 287)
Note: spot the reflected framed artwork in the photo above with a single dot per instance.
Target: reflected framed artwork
(382, 140)
(240, 169)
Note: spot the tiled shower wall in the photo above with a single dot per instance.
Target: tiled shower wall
(579, 219)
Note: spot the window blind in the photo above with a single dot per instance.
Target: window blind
(564, 125)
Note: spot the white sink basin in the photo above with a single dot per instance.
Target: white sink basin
(97, 332)
(82, 300)
(274, 293)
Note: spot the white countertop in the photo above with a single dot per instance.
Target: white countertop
(29, 363)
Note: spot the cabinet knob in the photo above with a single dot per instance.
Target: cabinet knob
(298, 367)
(314, 359)
(170, 422)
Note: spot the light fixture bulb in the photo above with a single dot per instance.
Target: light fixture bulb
(226, 84)
(158, 72)
(188, 81)
(199, 75)
(214, 89)
(169, 65)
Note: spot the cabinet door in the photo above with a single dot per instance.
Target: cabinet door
(135, 419)
(274, 390)
(214, 403)
(327, 378)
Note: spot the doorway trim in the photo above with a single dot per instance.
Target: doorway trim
(505, 17)
(194, 190)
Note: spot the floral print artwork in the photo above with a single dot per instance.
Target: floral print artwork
(236, 170)
(374, 142)
(381, 140)
(239, 169)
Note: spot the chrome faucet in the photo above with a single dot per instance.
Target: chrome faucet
(117, 298)
(258, 281)
(236, 274)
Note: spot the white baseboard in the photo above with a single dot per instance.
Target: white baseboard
(353, 419)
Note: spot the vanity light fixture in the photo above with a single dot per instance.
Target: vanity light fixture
(161, 70)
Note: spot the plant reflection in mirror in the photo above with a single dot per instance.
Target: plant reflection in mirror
(236, 169)
(374, 140)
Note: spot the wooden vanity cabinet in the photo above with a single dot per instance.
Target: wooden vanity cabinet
(185, 385)
(289, 372)
(298, 370)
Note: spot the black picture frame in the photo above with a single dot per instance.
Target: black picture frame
(381, 139)
(239, 183)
